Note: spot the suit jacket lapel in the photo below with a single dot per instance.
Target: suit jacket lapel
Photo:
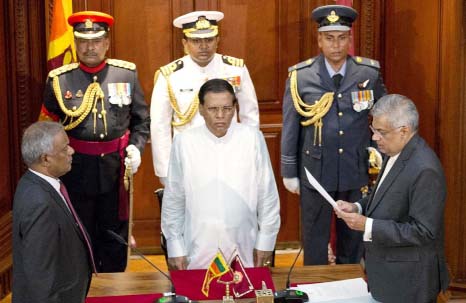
(379, 176)
(396, 169)
(57, 198)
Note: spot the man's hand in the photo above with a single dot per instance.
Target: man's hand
(347, 207)
(262, 258)
(292, 185)
(177, 263)
(133, 158)
(354, 220)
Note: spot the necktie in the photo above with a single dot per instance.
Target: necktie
(64, 192)
(336, 80)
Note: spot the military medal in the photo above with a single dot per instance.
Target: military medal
(68, 95)
(363, 99)
(119, 93)
(235, 81)
(79, 94)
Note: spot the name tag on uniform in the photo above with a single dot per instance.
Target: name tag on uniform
(362, 100)
(186, 90)
(119, 93)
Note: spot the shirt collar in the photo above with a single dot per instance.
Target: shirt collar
(330, 70)
(53, 181)
(223, 139)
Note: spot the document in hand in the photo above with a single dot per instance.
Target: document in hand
(344, 291)
(320, 189)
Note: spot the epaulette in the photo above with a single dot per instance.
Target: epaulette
(122, 63)
(366, 61)
(300, 65)
(233, 61)
(63, 69)
(172, 67)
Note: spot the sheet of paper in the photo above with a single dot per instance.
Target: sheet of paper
(348, 291)
(320, 189)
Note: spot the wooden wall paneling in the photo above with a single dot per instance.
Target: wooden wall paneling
(452, 132)
(256, 41)
(23, 70)
(5, 254)
(369, 28)
(7, 170)
(411, 58)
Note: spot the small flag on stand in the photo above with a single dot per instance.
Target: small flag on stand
(217, 268)
(242, 284)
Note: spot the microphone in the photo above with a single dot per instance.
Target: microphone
(290, 295)
(170, 297)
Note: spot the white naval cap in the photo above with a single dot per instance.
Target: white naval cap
(199, 24)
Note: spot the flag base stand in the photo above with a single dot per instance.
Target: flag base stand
(227, 298)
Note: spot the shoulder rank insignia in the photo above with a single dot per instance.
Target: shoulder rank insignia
(232, 61)
(122, 63)
(172, 67)
(300, 65)
(63, 69)
(366, 61)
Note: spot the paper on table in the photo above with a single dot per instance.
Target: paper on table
(320, 189)
(351, 290)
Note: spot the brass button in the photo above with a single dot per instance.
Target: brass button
(341, 133)
(74, 108)
(100, 116)
(340, 150)
(340, 114)
(307, 152)
(339, 95)
(102, 136)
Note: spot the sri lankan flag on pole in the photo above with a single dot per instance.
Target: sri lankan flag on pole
(217, 268)
(61, 49)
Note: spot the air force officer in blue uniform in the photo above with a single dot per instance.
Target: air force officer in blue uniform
(326, 130)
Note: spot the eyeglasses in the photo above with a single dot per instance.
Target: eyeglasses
(223, 109)
(383, 133)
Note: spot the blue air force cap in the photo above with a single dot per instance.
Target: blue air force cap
(334, 17)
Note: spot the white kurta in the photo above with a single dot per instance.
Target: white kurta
(220, 193)
(185, 84)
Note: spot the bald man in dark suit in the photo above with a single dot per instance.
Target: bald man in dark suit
(51, 259)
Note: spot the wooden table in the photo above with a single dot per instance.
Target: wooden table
(114, 284)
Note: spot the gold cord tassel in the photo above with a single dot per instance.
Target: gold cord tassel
(187, 116)
(314, 112)
(92, 95)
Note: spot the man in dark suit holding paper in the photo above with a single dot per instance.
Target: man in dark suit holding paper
(402, 219)
(52, 256)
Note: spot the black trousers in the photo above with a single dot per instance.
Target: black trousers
(99, 213)
(316, 214)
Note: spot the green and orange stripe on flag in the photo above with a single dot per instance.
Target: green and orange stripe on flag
(217, 268)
